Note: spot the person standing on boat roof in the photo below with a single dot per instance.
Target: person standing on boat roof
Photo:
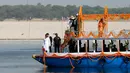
(57, 42)
(101, 26)
(73, 22)
(46, 43)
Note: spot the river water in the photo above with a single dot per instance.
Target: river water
(16, 57)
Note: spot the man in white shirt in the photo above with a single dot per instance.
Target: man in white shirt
(46, 43)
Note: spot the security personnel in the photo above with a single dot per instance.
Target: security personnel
(57, 42)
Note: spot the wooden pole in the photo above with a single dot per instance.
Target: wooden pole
(118, 45)
(103, 42)
(78, 45)
(86, 46)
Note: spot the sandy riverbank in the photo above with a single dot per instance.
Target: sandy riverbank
(37, 29)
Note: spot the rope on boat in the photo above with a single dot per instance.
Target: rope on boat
(76, 58)
(44, 58)
(44, 70)
(110, 58)
(94, 60)
(96, 56)
(113, 55)
(71, 63)
(71, 71)
(127, 56)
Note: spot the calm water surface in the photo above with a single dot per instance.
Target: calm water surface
(16, 57)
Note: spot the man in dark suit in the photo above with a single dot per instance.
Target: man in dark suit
(57, 42)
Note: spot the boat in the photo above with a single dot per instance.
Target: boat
(110, 56)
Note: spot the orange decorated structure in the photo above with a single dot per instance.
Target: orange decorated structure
(104, 58)
(103, 23)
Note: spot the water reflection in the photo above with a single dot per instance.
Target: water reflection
(84, 70)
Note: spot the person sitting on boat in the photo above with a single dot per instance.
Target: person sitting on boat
(105, 48)
(122, 48)
(83, 47)
(114, 48)
(46, 43)
(126, 45)
(111, 45)
(94, 45)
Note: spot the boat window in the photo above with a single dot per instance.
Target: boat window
(123, 45)
(99, 45)
(82, 46)
(110, 45)
(90, 46)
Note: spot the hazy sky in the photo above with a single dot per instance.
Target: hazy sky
(109, 3)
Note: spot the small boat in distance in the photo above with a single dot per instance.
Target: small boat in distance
(102, 49)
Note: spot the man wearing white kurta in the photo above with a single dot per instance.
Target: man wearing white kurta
(46, 43)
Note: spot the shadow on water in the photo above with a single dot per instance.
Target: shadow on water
(84, 70)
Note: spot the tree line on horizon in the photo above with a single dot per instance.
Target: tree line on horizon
(50, 12)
